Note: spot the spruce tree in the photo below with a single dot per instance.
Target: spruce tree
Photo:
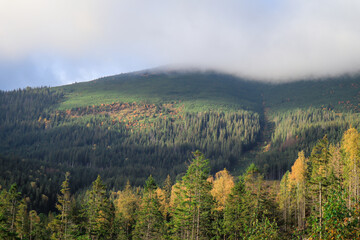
(22, 220)
(62, 223)
(284, 197)
(149, 221)
(319, 178)
(191, 214)
(237, 212)
(167, 196)
(99, 212)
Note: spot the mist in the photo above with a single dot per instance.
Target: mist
(49, 43)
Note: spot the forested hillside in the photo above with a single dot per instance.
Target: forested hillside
(317, 199)
(128, 126)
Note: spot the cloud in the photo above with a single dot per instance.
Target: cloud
(67, 41)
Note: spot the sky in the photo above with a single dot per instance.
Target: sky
(57, 42)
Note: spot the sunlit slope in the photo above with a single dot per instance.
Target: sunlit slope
(203, 91)
(197, 91)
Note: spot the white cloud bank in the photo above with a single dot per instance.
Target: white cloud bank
(51, 42)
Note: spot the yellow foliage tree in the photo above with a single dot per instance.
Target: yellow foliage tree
(126, 203)
(222, 185)
(351, 147)
(297, 179)
(336, 162)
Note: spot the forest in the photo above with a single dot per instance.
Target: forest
(128, 127)
(317, 199)
(122, 141)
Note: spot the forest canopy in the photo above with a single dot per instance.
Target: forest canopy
(317, 199)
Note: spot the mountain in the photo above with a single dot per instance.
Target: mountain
(128, 126)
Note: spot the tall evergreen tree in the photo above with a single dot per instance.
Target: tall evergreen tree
(14, 197)
(99, 212)
(62, 223)
(35, 227)
(253, 180)
(319, 174)
(191, 216)
(237, 212)
(149, 221)
(167, 196)
(22, 220)
(9, 204)
(285, 199)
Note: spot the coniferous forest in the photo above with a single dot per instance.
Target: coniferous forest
(174, 155)
(317, 199)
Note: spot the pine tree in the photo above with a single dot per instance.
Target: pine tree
(262, 206)
(191, 214)
(34, 225)
(149, 221)
(336, 218)
(99, 212)
(167, 196)
(284, 197)
(253, 180)
(4, 215)
(9, 201)
(22, 220)
(262, 229)
(319, 180)
(13, 197)
(62, 223)
(237, 212)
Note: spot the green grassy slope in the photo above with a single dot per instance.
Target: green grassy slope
(197, 91)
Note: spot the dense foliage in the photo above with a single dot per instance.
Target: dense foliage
(195, 207)
(124, 141)
(317, 199)
(129, 126)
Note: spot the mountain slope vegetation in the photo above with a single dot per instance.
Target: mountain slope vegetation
(129, 126)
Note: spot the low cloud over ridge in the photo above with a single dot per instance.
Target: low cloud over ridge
(59, 42)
